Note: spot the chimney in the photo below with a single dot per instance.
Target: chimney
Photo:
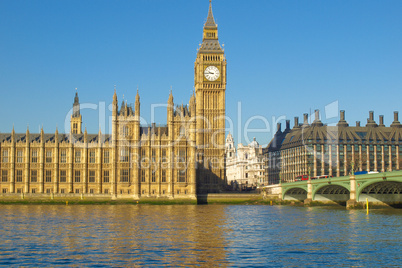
(371, 115)
(287, 124)
(396, 122)
(296, 122)
(342, 115)
(317, 115)
(305, 117)
(357, 123)
(278, 127)
(342, 122)
(382, 121)
(370, 120)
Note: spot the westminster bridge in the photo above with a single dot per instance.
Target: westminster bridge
(383, 187)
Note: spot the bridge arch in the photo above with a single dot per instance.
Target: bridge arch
(295, 193)
(331, 192)
(379, 190)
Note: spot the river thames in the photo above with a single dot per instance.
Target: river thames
(198, 235)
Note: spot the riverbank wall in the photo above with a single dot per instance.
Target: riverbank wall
(229, 198)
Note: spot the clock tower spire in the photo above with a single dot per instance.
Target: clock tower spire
(210, 87)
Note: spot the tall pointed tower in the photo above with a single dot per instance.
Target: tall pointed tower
(210, 87)
(76, 118)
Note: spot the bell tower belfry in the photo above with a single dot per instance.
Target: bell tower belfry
(76, 118)
(210, 87)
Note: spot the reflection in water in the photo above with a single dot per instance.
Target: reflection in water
(188, 235)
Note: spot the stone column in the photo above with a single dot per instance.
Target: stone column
(382, 159)
(55, 156)
(330, 160)
(12, 165)
(322, 159)
(42, 167)
(338, 172)
(99, 166)
(315, 160)
(352, 199)
(368, 157)
(390, 158)
(309, 192)
(375, 157)
(345, 160)
(26, 171)
(70, 160)
(85, 175)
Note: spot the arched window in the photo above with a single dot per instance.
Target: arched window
(182, 131)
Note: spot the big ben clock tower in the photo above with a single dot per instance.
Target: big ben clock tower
(210, 87)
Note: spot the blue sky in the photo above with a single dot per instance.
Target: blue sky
(285, 58)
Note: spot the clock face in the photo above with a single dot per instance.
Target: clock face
(211, 73)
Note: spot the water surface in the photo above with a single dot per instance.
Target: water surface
(191, 235)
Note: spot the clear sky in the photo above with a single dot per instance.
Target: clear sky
(284, 58)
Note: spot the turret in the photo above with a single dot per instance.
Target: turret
(170, 107)
(27, 136)
(42, 135)
(13, 135)
(100, 136)
(137, 105)
(192, 105)
(115, 104)
(85, 136)
(56, 136)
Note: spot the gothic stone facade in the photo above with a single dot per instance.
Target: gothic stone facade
(319, 150)
(178, 160)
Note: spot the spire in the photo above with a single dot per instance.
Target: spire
(210, 41)
(76, 105)
(100, 135)
(170, 100)
(42, 135)
(137, 96)
(192, 105)
(85, 135)
(137, 104)
(210, 19)
(27, 135)
(56, 136)
(114, 96)
(13, 134)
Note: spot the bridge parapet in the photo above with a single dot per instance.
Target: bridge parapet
(346, 189)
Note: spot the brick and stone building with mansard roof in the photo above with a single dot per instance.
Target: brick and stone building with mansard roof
(317, 149)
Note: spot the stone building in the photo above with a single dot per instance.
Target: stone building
(317, 149)
(244, 166)
(178, 160)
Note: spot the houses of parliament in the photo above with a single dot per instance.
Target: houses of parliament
(179, 160)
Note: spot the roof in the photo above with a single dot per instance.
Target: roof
(6, 137)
